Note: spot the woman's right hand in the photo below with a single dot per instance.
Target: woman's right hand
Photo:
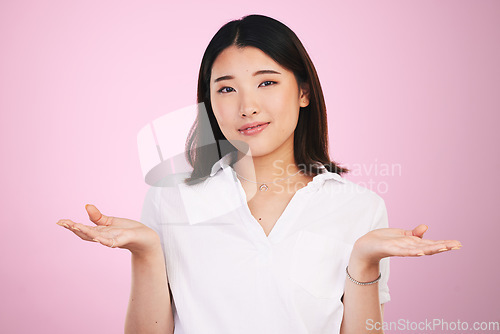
(115, 232)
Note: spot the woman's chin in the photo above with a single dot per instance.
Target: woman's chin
(252, 149)
(256, 152)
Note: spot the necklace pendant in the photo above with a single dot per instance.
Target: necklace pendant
(263, 187)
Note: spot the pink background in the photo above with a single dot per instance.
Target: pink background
(408, 83)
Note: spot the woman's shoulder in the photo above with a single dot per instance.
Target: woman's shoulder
(335, 188)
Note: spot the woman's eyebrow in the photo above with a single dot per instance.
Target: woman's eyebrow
(229, 77)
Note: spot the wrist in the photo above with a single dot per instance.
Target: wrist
(363, 270)
(361, 283)
(153, 251)
(364, 253)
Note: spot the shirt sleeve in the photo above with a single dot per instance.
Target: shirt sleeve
(151, 211)
(381, 221)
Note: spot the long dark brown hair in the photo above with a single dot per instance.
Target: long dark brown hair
(281, 44)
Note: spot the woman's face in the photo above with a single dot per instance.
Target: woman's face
(247, 86)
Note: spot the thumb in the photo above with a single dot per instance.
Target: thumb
(420, 230)
(96, 216)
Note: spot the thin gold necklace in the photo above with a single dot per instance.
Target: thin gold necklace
(263, 185)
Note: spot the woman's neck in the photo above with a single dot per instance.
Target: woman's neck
(266, 168)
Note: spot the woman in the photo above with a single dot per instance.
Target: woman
(265, 236)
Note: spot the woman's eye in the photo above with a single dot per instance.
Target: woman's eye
(230, 89)
(267, 83)
(222, 90)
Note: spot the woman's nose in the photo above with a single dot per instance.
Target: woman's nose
(247, 113)
(249, 106)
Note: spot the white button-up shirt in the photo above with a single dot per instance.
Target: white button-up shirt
(228, 277)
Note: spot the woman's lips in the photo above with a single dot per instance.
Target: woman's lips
(254, 130)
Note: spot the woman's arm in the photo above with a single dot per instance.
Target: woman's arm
(361, 302)
(362, 310)
(149, 308)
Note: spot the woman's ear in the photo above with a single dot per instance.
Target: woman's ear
(304, 95)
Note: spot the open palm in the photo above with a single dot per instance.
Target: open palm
(114, 231)
(386, 242)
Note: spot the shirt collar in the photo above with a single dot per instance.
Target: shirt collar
(326, 175)
(226, 161)
(223, 162)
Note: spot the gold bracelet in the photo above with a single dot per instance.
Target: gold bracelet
(362, 283)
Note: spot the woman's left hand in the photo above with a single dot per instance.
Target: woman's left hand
(385, 242)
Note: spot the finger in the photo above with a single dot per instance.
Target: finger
(416, 242)
(424, 247)
(437, 248)
(96, 216)
(453, 243)
(448, 244)
(90, 232)
(408, 251)
(96, 233)
(419, 230)
(72, 226)
(63, 223)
